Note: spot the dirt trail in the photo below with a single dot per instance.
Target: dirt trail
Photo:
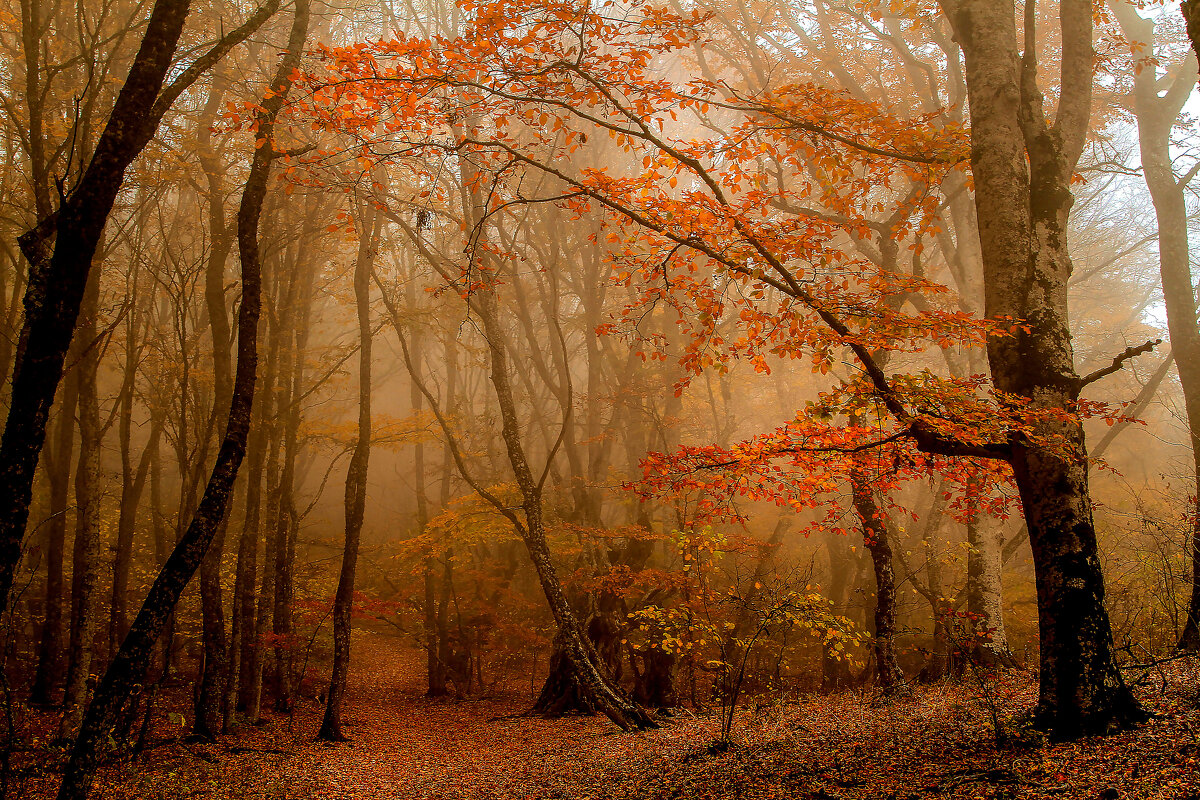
(403, 745)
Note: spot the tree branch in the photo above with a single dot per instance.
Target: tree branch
(1117, 363)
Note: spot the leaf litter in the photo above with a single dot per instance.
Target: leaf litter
(930, 742)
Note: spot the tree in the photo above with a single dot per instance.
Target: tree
(1023, 166)
(576, 681)
(1157, 103)
(356, 482)
(131, 660)
(62, 244)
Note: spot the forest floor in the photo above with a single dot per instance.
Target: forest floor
(933, 742)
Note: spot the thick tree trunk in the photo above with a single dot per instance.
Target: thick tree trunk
(654, 685)
(1022, 167)
(1191, 18)
(356, 485)
(129, 666)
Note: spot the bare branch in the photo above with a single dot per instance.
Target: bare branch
(1117, 363)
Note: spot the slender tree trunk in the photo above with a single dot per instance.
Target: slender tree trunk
(744, 620)
(129, 665)
(133, 485)
(940, 660)
(575, 681)
(243, 644)
(286, 522)
(50, 649)
(356, 484)
(1157, 113)
(984, 609)
(273, 439)
(209, 717)
(85, 578)
(435, 667)
(888, 673)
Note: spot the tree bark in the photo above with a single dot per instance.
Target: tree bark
(242, 643)
(984, 609)
(285, 521)
(888, 673)
(1022, 166)
(271, 413)
(209, 718)
(133, 485)
(356, 485)
(575, 682)
(58, 470)
(85, 569)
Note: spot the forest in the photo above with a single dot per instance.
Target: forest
(599, 399)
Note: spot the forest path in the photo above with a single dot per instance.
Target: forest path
(406, 745)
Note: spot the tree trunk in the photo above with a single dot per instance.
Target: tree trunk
(58, 273)
(433, 623)
(654, 686)
(129, 665)
(58, 470)
(1022, 167)
(989, 646)
(888, 673)
(356, 484)
(1156, 118)
(286, 522)
(132, 488)
(575, 681)
(242, 641)
(272, 412)
(85, 569)
(209, 718)
(940, 662)
(57, 279)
